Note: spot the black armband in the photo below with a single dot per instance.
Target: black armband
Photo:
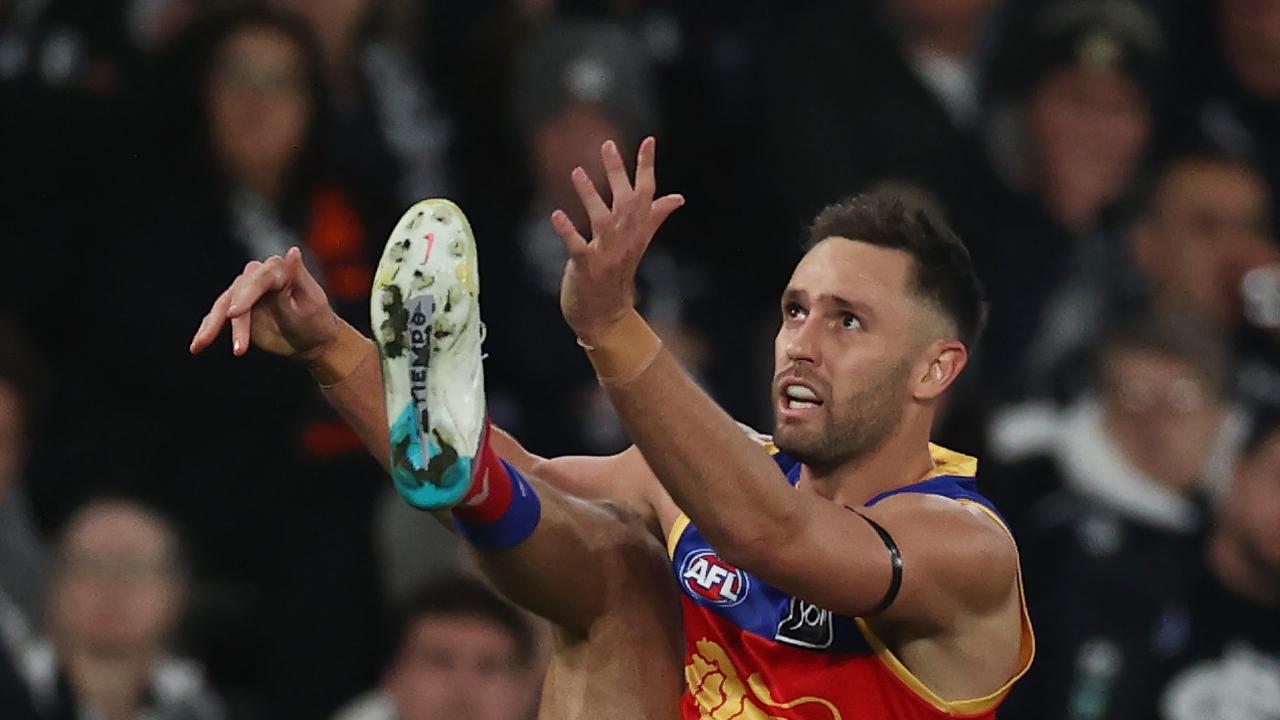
(895, 562)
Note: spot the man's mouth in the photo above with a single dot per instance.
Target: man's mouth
(797, 397)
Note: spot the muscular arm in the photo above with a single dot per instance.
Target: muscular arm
(571, 570)
(805, 544)
(623, 478)
(350, 377)
(798, 541)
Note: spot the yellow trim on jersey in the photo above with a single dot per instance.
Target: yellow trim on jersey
(945, 462)
(972, 705)
(673, 536)
(950, 462)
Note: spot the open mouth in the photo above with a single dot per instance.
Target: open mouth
(799, 397)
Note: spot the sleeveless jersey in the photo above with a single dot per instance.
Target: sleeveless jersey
(754, 652)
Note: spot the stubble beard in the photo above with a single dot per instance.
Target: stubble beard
(852, 426)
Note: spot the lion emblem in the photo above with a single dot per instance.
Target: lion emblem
(721, 695)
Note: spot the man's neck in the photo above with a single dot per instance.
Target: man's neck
(112, 683)
(266, 183)
(1239, 571)
(902, 460)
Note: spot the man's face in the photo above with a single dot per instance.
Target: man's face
(1089, 126)
(1163, 414)
(116, 587)
(1252, 509)
(571, 139)
(259, 104)
(459, 668)
(1209, 227)
(851, 333)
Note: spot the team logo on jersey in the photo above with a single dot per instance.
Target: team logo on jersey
(718, 689)
(807, 626)
(708, 577)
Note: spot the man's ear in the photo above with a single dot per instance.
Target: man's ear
(940, 367)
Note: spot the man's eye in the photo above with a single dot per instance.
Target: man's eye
(794, 311)
(849, 321)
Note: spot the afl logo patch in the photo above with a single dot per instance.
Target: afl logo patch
(706, 577)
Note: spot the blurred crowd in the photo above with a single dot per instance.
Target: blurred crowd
(201, 538)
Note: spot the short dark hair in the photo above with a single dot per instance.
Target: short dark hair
(462, 595)
(944, 271)
(1195, 150)
(1199, 347)
(190, 65)
(176, 555)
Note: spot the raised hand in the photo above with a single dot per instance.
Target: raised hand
(276, 305)
(598, 288)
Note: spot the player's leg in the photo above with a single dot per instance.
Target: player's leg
(553, 553)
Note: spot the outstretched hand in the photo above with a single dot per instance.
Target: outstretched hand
(598, 288)
(276, 305)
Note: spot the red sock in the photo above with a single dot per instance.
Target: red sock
(502, 509)
(490, 494)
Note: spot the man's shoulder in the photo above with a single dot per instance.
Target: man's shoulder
(959, 542)
(946, 515)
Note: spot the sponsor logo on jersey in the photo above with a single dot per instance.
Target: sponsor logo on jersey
(807, 626)
(707, 577)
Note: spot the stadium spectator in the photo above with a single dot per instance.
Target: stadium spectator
(116, 599)
(1206, 225)
(251, 166)
(388, 120)
(1201, 224)
(1103, 497)
(1204, 241)
(1229, 80)
(1070, 122)
(1229, 666)
(254, 175)
(462, 653)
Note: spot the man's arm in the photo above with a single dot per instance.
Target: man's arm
(575, 564)
(799, 541)
(733, 492)
(625, 478)
(349, 372)
(572, 567)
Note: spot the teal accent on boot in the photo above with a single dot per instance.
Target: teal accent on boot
(409, 468)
